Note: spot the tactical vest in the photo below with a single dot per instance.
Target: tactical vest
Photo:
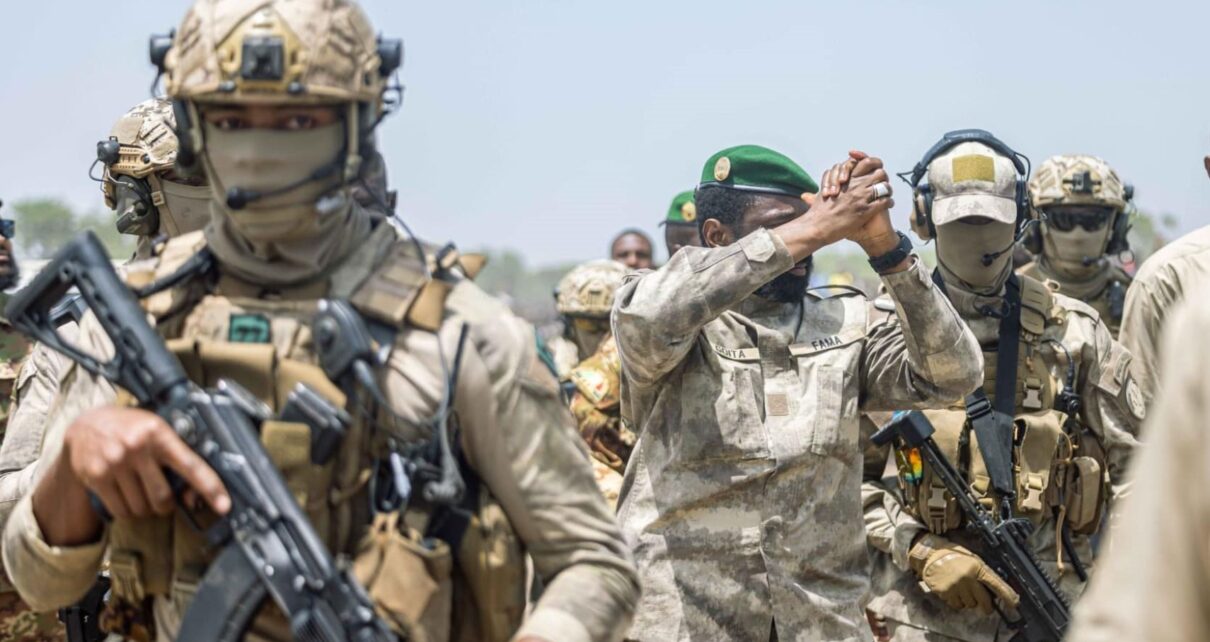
(466, 587)
(1109, 299)
(1059, 466)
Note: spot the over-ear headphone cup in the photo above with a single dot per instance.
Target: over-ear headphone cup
(1032, 241)
(187, 163)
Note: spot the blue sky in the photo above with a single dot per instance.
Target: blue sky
(546, 126)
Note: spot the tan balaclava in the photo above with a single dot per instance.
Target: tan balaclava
(974, 213)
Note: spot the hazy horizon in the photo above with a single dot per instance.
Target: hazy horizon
(547, 127)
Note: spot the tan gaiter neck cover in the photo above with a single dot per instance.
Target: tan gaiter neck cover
(285, 240)
(960, 250)
(1064, 252)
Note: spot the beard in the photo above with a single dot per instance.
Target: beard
(788, 288)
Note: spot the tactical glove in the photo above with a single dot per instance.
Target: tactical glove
(956, 575)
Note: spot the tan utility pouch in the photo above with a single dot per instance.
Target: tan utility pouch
(931, 502)
(1087, 486)
(1039, 436)
(492, 570)
(408, 578)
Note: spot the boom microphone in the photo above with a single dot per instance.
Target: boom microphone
(238, 197)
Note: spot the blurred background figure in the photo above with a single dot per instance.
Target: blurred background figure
(680, 226)
(632, 248)
(1083, 209)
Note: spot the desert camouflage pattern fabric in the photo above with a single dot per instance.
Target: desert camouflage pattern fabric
(147, 140)
(742, 498)
(13, 349)
(516, 434)
(1052, 183)
(1111, 410)
(17, 620)
(19, 623)
(1161, 284)
(596, 405)
(1098, 290)
(1153, 579)
(588, 289)
(329, 47)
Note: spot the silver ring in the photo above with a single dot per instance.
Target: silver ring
(882, 190)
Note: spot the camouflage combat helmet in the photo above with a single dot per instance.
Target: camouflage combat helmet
(1076, 179)
(588, 289)
(314, 52)
(141, 145)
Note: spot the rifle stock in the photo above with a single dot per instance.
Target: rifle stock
(266, 540)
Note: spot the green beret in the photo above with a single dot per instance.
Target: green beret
(682, 211)
(757, 169)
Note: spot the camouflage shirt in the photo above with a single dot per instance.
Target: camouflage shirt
(1105, 290)
(742, 499)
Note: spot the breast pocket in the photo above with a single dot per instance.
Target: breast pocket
(721, 417)
(828, 414)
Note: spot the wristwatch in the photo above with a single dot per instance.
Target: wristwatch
(884, 262)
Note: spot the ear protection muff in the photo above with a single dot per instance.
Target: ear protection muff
(922, 194)
(1118, 241)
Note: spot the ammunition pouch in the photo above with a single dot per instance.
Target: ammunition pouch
(408, 577)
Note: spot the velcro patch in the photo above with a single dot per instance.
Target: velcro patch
(248, 328)
(974, 167)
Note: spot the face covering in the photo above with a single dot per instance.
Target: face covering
(288, 239)
(186, 208)
(1076, 252)
(261, 160)
(961, 247)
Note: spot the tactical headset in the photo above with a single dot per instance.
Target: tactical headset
(366, 117)
(922, 192)
(1118, 241)
(143, 219)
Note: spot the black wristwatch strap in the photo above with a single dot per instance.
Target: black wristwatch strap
(896, 256)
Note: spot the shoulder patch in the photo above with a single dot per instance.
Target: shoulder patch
(1134, 399)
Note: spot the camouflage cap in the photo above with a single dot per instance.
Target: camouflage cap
(588, 289)
(972, 179)
(682, 211)
(757, 169)
(309, 51)
(1076, 179)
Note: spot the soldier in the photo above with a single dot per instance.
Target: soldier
(151, 202)
(1083, 212)
(140, 184)
(680, 226)
(1159, 286)
(742, 499)
(278, 103)
(1153, 583)
(632, 248)
(1055, 374)
(594, 382)
(583, 299)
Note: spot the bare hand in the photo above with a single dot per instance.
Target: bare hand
(842, 216)
(120, 455)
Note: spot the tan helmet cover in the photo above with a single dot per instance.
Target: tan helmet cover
(588, 289)
(147, 144)
(329, 53)
(1059, 179)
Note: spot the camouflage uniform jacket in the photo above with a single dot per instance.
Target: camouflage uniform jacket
(742, 497)
(1160, 285)
(1153, 582)
(596, 405)
(1111, 408)
(1105, 290)
(516, 434)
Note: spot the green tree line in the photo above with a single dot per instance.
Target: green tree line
(43, 225)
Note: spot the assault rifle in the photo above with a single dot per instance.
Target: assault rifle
(1043, 613)
(268, 548)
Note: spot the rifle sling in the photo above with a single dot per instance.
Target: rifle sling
(993, 423)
